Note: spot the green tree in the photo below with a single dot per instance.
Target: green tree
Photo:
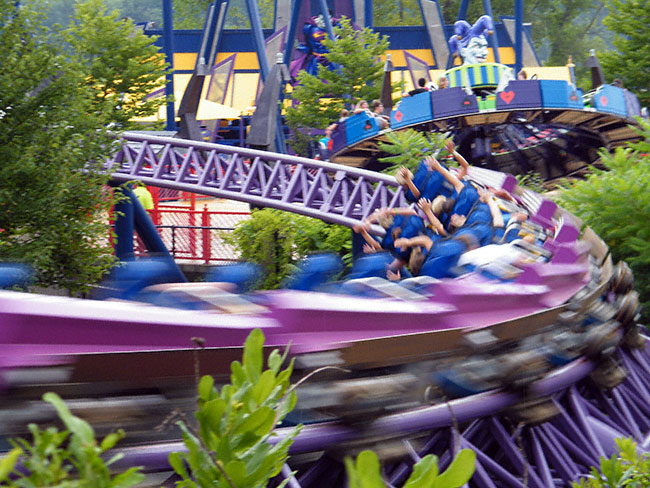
(122, 64)
(391, 13)
(53, 215)
(630, 61)
(615, 203)
(318, 101)
(277, 240)
(191, 14)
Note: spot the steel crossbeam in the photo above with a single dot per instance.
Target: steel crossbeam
(333, 193)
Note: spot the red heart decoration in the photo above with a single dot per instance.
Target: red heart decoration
(573, 97)
(603, 100)
(398, 116)
(507, 96)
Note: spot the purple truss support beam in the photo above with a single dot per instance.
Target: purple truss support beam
(333, 193)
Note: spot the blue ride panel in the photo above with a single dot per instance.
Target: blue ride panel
(520, 94)
(610, 99)
(339, 139)
(632, 104)
(453, 101)
(560, 94)
(412, 110)
(360, 126)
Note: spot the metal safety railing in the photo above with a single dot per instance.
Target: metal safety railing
(194, 235)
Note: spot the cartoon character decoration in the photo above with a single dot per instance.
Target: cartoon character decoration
(312, 51)
(469, 42)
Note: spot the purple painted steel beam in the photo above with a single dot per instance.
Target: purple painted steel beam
(511, 451)
(557, 457)
(581, 417)
(273, 180)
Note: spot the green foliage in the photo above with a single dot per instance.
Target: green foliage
(627, 468)
(231, 448)
(365, 472)
(409, 147)
(400, 12)
(191, 14)
(53, 215)
(532, 181)
(276, 240)
(70, 458)
(122, 64)
(318, 101)
(630, 60)
(615, 203)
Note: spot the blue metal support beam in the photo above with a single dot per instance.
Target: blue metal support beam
(168, 47)
(494, 42)
(260, 47)
(519, 26)
(293, 27)
(325, 12)
(462, 10)
(368, 13)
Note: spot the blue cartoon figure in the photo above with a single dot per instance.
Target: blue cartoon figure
(469, 42)
(312, 51)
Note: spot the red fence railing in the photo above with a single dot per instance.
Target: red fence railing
(195, 235)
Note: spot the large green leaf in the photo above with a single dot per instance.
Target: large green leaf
(8, 462)
(252, 358)
(77, 426)
(424, 474)
(460, 471)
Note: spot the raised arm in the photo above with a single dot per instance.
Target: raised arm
(404, 177)
(497, 216)
(374, 217)
(423, 241)
(425, 205)
(448, 175)
(372, 242)
(464, 165)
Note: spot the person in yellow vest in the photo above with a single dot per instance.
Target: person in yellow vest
(144, 196)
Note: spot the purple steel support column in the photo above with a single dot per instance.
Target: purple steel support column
(578, 452)
(642, 359)
(569, 426)
(288, 475)
(498, 473)
(625, 411)
(321, 470)
(563, 466)
(633, 403)
(511, 451)
(481, 478)
(635, 378)
(403, 469)
(581, 417)
(606, 435)
(540, 459)
(605, 407)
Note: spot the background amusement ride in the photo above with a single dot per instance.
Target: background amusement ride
(537, 368)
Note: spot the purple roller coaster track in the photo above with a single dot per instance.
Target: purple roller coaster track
(537, 371)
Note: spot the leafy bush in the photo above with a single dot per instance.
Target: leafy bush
(68, 458)
(365, 473)
(408, 148)
(627, 468)
(231, 448)
(277, 240)
(615, 203)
